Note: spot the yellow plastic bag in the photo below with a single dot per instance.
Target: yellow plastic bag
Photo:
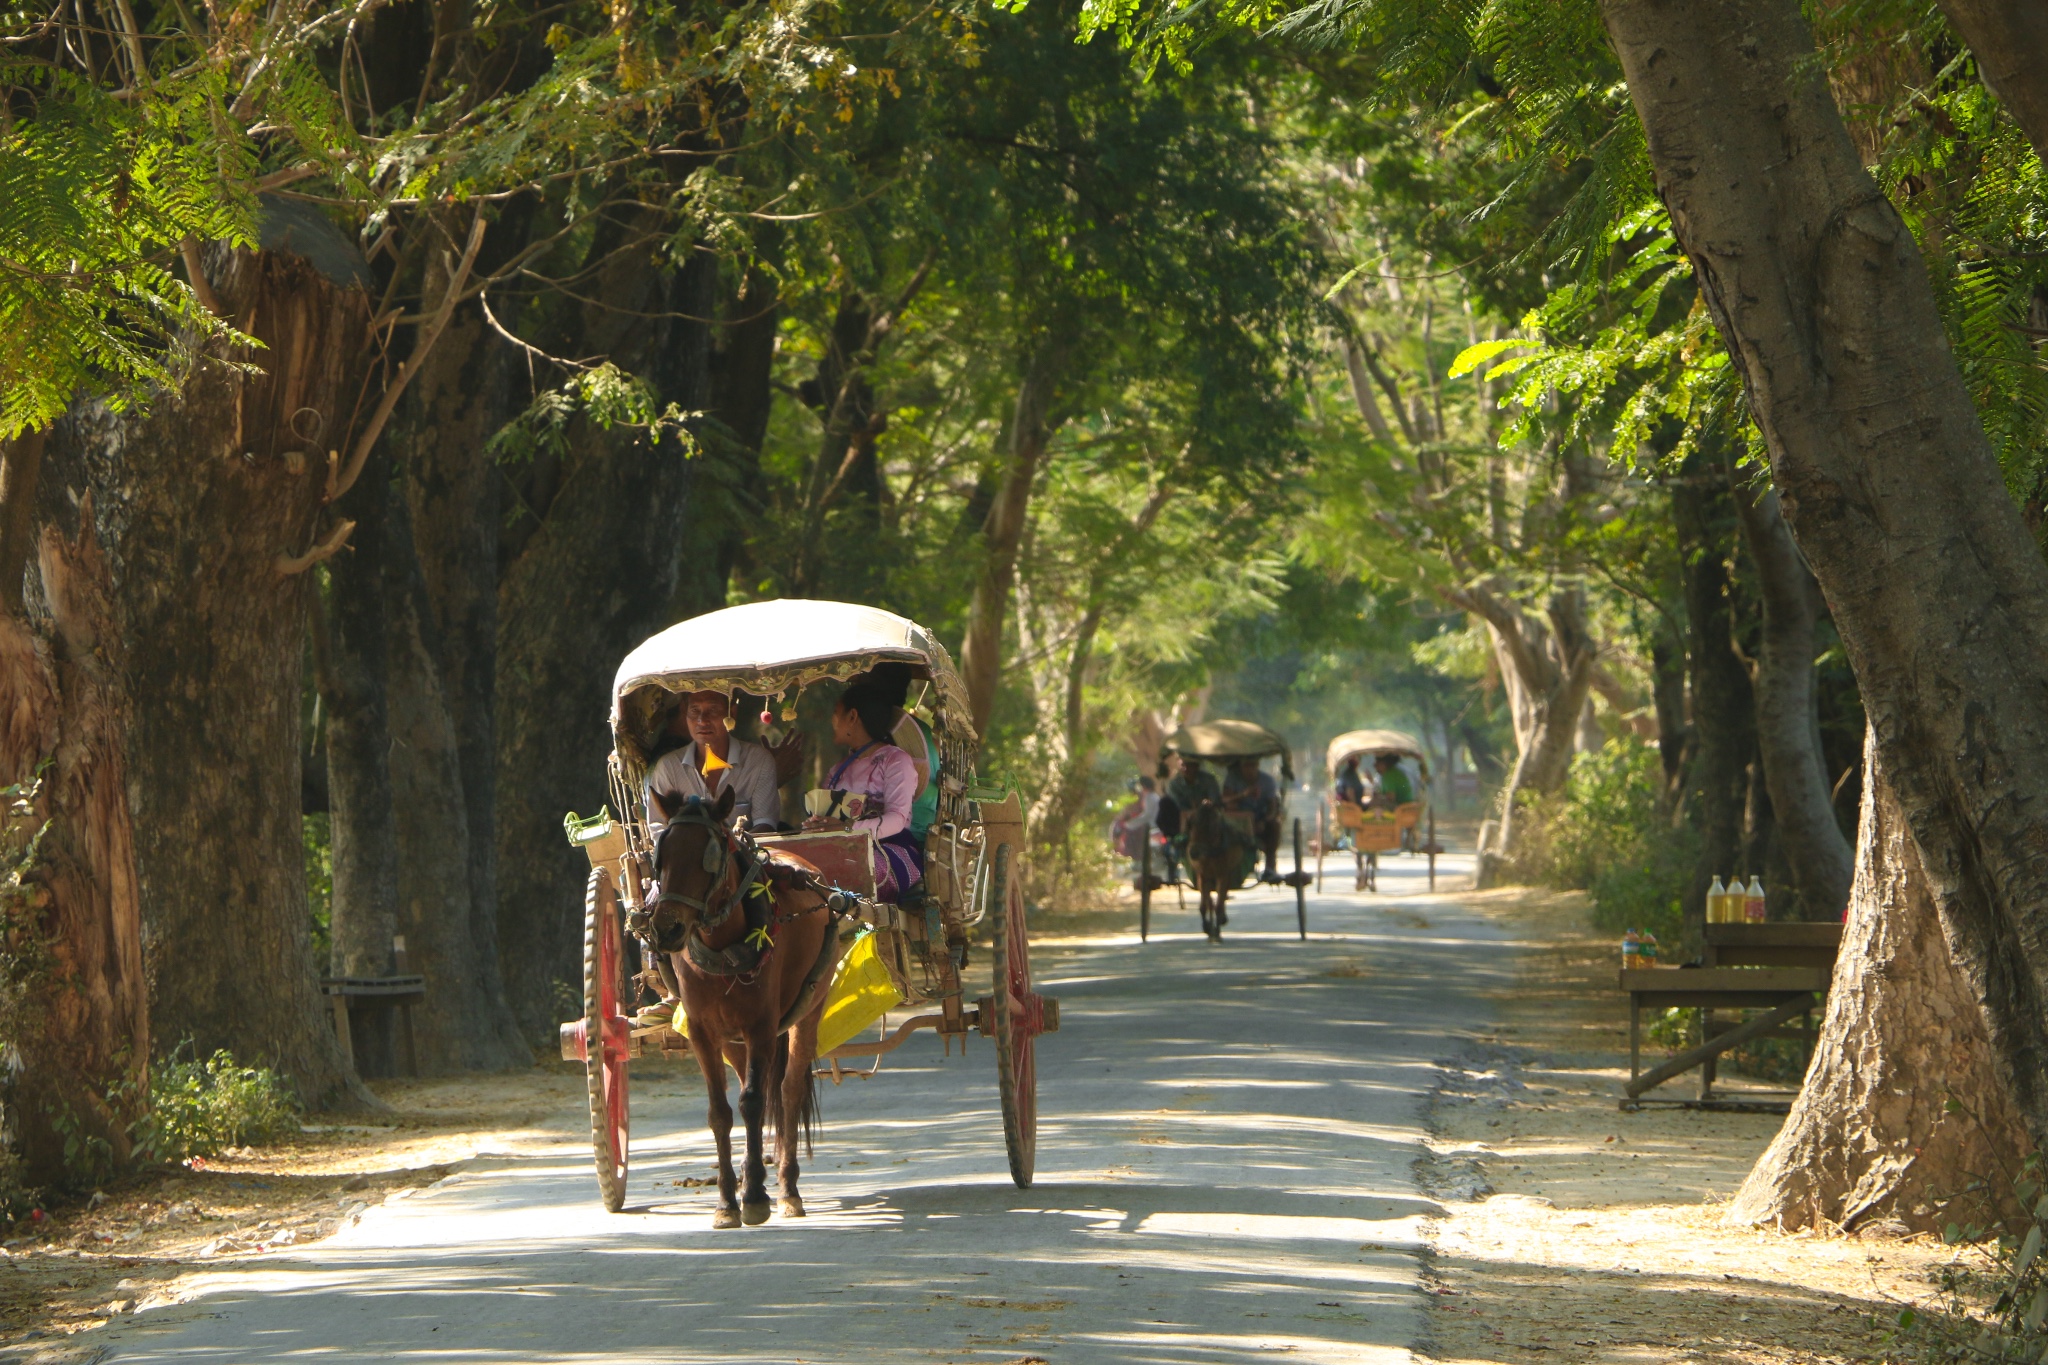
(861, 993)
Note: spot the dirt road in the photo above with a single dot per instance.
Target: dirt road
(1224, 1172)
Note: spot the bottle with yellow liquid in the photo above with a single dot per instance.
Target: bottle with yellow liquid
(1717, 896)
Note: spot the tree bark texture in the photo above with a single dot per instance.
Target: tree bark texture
(21, 463)
(1788, 713)
(1868, 1138)
(465, 1023)
(78, 1024)
(2009, 39)
(1723, 705)
(613, 552)
(195, 503)
(450, 485)
(441, 577)
(363, 834)
(1002, 532)
(1939, 592)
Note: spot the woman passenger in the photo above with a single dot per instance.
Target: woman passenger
(883, 775)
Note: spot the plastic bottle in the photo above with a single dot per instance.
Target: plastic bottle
(1631, 950)
(1646, 951)
(1753, 901)
(1716, 898)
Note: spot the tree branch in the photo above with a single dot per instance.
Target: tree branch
(322, 549)
(421, 347)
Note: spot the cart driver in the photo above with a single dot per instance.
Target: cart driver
(1350, 786)
(712, 761)
(1249, 789)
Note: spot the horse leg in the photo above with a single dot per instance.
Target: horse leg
(754, 1112)
(711, 1061)
(1222, 911)
(799, 1109)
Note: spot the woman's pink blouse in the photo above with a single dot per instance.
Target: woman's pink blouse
(883, 772)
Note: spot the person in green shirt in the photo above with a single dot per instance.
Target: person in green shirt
(1394, 787)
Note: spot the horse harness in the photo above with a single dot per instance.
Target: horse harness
(734, 857)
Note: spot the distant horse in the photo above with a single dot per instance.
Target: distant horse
(1215, 853)
(751, 938)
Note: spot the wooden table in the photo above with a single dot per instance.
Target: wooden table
(1781, 991)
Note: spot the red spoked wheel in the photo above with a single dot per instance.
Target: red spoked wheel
(602, 1039)
(1020, 1016)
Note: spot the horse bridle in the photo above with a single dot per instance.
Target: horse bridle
(724, 854)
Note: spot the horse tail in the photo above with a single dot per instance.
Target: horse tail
(804, 1122)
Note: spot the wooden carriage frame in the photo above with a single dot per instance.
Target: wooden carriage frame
(1225, 741)
(1371, 834)
(974, 863)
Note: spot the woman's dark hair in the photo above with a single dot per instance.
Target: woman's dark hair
(891, 679)
(870, 701)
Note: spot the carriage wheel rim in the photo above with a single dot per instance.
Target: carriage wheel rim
(1019, 1020)
(616, 1036)
(607, 1040)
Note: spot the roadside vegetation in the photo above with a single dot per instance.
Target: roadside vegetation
(378, 375)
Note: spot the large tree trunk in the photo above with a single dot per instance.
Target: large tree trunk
(356, 652)
(362, 824)
(1723, 708)
(1788, 713)
(76, 1016)
(981, 653)
(2009, 39)
(1546, 668)
(1868, 1138)
(1938, 590)
(195, 504)
(444, 544)
(465, 1024)
(615, 553)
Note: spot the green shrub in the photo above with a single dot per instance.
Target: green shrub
(198, 1108)
(1606, 833)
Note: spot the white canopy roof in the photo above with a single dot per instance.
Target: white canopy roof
(1366, 743)
(765, 648)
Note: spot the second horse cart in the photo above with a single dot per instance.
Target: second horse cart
(893, 955)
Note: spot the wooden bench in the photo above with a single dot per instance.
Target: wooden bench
(1782, 969)
(347, 993)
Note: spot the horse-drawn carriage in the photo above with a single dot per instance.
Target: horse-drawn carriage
(1219, 839)
(670, 887)
(1371, 827)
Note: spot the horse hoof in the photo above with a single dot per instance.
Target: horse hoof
(725, 1218)
(753, 1215)
(792, 1206)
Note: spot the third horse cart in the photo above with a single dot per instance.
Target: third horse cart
(1372, 827)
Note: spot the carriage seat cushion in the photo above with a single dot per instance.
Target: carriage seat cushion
(845, 858)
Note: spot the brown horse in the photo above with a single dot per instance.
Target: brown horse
(1216, 858)
(751, 939)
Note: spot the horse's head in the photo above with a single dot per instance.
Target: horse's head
(697, 861)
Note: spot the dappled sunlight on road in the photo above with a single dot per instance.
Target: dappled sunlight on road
(1226, 1143)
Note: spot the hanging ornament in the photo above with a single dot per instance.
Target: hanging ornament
(732, 703)
(788, 705)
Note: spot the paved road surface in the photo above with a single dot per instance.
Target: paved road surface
(1224, 1173)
